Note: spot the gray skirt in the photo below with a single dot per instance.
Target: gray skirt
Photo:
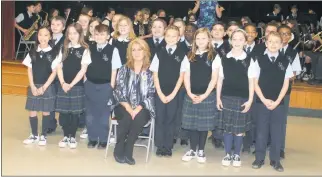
(231, 119)
(71, 102)
(42, 103)
(202, 116)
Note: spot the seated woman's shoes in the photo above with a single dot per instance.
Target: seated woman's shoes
(129, 160)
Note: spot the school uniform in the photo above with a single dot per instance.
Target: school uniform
(250, 135)
(179, 131)
(235, 72)
(139, 29)
(272, 70)
(155, 44)
(108, 22)
(222, 48)
(167, 63)
(121, 45)
(56, 43)
(26, 20)
(41, 63)
(200, 118)
(293, 57)
(98, 90)
(72, 103)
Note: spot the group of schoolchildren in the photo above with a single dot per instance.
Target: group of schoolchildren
(234, 88)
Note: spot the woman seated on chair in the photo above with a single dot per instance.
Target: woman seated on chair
(134, 93)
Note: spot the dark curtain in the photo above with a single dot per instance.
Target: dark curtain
(8, 30)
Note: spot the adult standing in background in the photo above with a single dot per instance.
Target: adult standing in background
(209, 11)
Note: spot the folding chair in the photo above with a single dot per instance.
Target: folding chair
(28, 45)
(150, 137)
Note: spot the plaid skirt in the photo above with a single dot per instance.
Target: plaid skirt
(42, 103)
(202, 116)
(71, 102)
(231, 119)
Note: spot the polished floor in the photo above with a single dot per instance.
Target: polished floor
(303, 153)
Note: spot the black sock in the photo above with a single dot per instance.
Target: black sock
(308, 68)
(74, 124)
(65, 119)
(45, 124)
(238, 141)
(34, 125)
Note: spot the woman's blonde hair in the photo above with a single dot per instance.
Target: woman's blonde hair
(211, 51)
(81, 40)
(146, 49)
(129, 22)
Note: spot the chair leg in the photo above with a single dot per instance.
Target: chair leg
(18, 50)
(108, 140)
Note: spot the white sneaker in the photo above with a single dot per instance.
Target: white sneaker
(236, 160)
(189, 156)
(72, 143)
(84, 134)
(201, 157)
(306, 77)
(31, 139)
(42, 141)
(226, 160)
(64, 142)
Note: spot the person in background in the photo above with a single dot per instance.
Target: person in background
(108, 18)
(209, 11)
(245, 20)
(276, 12)
(53, 13)
(293, 15)
(87, 10)
(25, 20)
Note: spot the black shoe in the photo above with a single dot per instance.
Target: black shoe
(81, 126)
(129, 161)
(257, 164)
(102, 145)
(184, 142)
(91, 144)
(246, 150)
(174, 141)
(167, 152)
(282, 154)
(277, 166)
(50, 130)
(218, 143)
(119, 159)
(159, 152)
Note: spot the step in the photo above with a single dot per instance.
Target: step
(14, 90)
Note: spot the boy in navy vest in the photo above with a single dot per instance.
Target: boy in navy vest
(25, 20)
(293, 57)
(100, 75)
(249, 49)
(168, 78)
(271, 84)
(56, 43)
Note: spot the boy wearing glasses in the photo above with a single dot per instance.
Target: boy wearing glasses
(293, 57)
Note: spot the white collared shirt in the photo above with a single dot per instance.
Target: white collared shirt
(172, 47)
(182, 38)
(101, 46)
(185, 65)
(160, 39)
(218, 65)
(120, 39)
(187, 43)
(27, 60)
(219, 43)
(296, 64)
(21, 17)
(86, 57)
(154, 67)
(116, 59)
(251, 46)
(57, 37)
(288, 74)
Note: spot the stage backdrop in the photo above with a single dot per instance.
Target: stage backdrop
(8, 30)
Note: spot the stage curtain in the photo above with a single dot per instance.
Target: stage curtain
(8, 30)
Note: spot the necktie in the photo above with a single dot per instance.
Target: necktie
(157, 42)
(273, 59)
(248, 50)
(52, 42)
(216, 46)
(169, 51)
(99, 49)
(41, 54)
(283, 52)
